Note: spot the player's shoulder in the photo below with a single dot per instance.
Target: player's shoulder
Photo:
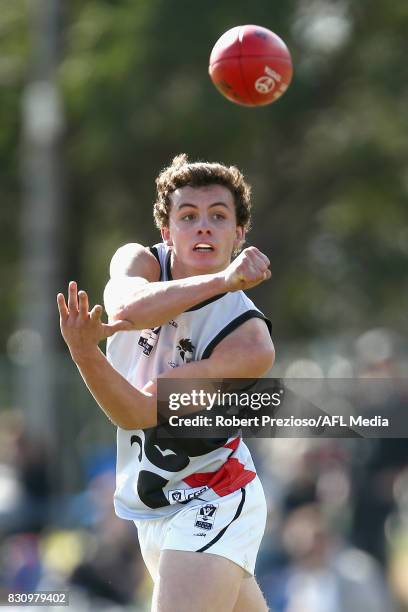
(249, 346)
(254, 330)
(241, 307)
(242, 322)
(133, 259)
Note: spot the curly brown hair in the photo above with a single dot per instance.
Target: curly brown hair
(182, 172)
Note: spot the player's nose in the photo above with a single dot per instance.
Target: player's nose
(203, 226)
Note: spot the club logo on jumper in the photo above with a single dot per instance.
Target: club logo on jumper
(205, 516)
(148, 339)
(173, 323)
(182, 496)
(186, 349)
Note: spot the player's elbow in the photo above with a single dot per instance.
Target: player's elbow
(113, 302)
(124, 300)
(127, 312)
(121, 314)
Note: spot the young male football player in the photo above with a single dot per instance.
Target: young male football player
(177, 309)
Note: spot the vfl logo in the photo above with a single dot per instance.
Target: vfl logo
(176, 496)
(267, 82)
(205, 516)
(183, 496)
(185, 346)
(148, 339)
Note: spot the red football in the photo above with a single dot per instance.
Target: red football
(250, 65)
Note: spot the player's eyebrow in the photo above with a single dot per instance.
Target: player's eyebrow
(184, 204)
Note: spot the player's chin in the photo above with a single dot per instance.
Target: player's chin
(206, 262)
(205, 257)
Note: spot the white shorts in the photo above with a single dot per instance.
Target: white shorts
(231, 526)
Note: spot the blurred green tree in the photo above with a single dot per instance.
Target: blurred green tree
(328, 162)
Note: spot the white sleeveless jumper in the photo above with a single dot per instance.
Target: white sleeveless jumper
(156, 477)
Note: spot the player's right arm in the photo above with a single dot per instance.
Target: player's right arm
(135, 294)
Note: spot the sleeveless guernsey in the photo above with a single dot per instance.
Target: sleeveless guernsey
(156, 477)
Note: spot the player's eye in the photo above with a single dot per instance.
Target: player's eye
(218, 216)
(188, 217)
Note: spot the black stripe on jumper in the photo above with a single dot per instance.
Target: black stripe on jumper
(242, 318)
(219, 535)
(154, 252)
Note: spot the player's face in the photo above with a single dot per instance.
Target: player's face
(203, 230)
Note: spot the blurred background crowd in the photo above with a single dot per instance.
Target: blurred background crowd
(96, 98)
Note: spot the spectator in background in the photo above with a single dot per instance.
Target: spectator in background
(377, 463)
(324, 573)
(25, 498)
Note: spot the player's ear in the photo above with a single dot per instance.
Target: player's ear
(165, 234)
(239, 237)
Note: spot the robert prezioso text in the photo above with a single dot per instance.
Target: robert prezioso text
(323, 420)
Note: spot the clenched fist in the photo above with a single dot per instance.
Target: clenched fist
(249, 269)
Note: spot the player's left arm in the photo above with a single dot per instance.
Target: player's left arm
(247, 352)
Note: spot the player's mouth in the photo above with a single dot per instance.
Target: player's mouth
(203, 247)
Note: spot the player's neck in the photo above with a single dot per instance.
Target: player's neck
(181, 270)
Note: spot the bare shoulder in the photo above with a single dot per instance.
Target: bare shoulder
(132, 266)
(253, 333)
(249, 347)
(134, 259)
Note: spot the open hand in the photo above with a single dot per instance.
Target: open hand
(82, 329)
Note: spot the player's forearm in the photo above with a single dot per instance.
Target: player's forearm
(219, 366)
(124, 405)
(156, 303)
